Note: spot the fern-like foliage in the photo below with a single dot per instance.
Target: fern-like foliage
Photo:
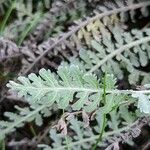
(26, 19)
(59, 9)
(80, 134)
(70, 88)
(117, 51)
(4, 4)
(84, 138)
(62, 91)
(82, 90)
(57, 14)
(103, 47)
(84, 32)
(35, 112)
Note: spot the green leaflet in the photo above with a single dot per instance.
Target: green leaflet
(70, 83)
(72, 87)
(143, 102)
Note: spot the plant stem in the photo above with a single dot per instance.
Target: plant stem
(84, 89)
(104, 88)
(104, 115)
(101, 132)
(32, 130)
(7, 16)
(2, 144)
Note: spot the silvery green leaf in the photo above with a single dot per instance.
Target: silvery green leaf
(143, 102)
